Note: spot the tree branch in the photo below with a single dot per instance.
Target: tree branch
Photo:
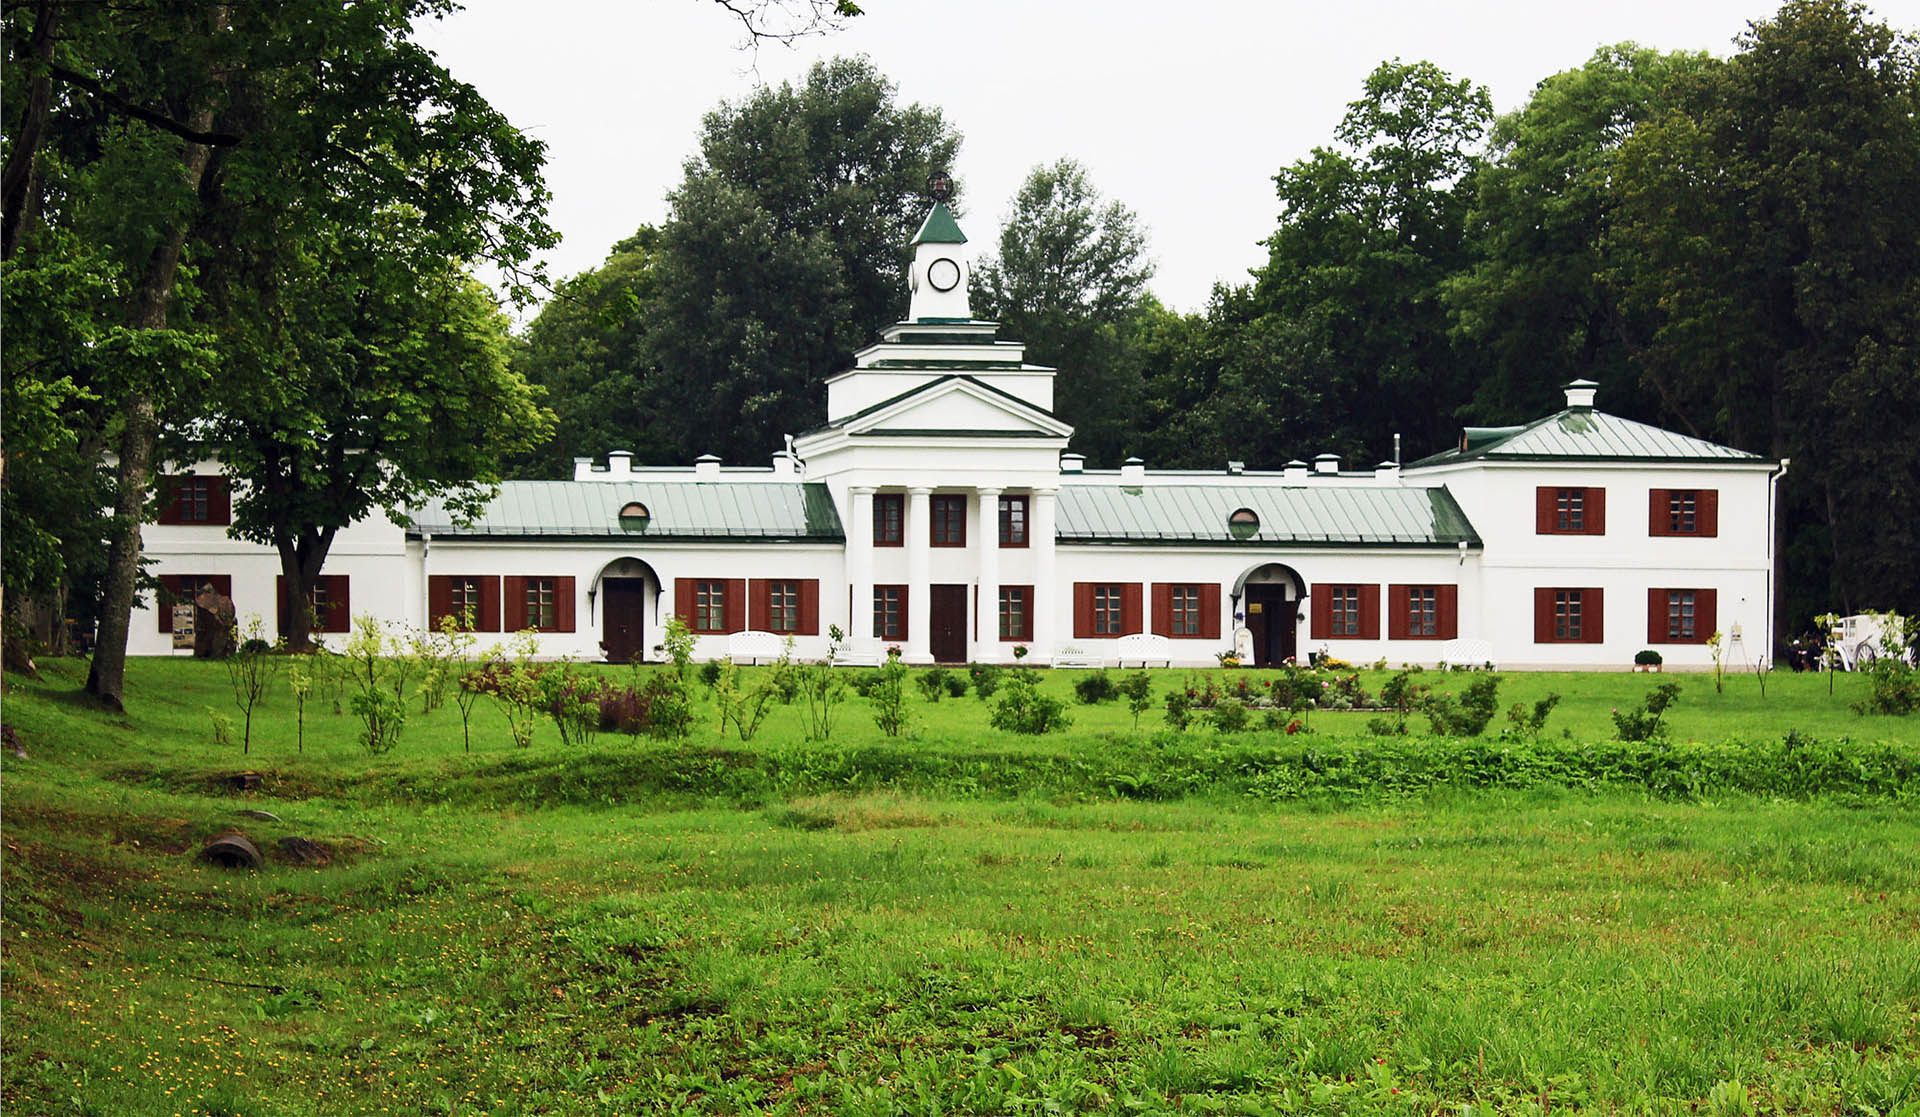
(158, 119)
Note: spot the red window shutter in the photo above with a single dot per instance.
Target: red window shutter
(1025, 631)
(220, 506)
(1370, 612)
(339, 616)
(1596, 512)
(809, 606)
(563, 603)
(1593, 616)
(169, 489)
(163, 601)
(759, 607)
(516, 603)
(1447, 608)
(1082, 610)
(904, 614)
(1706, 614)
(489, 619)
(440, 600)
(1657, 616)
(1130, 612)
(1543, 615)
(1544, 505)
(1706, 514)
(735, 604)
(1321, 610)
(1658, 520)
(1163, 608)
(1398, 600)
(1210, 611)
(683, 600)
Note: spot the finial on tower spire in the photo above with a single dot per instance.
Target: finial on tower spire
(940, 186)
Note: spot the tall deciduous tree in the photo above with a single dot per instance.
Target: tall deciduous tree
(1532, 300)
(1368, 234)
(188, 126)
(1767, 252)
(1068, 276)
(588, 350)
(784, 253)
(369, 380)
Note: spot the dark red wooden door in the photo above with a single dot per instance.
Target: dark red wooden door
(947, 638)
(623, 619)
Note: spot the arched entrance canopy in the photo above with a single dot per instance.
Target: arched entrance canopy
(1261, 603)
(620, 590)
(1265, 570)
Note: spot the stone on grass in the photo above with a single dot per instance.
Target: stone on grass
(231, 850)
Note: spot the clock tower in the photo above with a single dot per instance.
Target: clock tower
(937, 279)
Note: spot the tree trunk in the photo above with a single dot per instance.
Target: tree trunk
(16, 182)
(106, 678)
(300, 564)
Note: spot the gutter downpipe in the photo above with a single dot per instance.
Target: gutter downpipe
(426, 596)
(1773, 548)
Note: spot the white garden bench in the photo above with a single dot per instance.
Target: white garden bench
(1467, 653)
(1147, 647)
(752, 646)
(864, 653)
(1070, 656)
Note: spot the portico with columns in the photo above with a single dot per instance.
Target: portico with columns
(941, 445)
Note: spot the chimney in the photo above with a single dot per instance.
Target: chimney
(1580, 395)
(706, 467)
(1133, 469)
(783, 464)
(583, 469)
(1387, 473)
(1295, 472)
(1328, 464)
(1073, 463)
(620, 462)
(1236, 468)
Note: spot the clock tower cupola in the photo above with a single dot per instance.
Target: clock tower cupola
(937, 279)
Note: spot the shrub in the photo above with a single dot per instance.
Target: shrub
(887, 690)
(1094, 688)
(932, 683)
(957, 685)
(986, 679)
(1023, 709)
(710, 673)
(1647, 657)
(1387, 727)
(679, 644)
(1646, 722)
(1896, 689)
(1138, 690)
(1230, 716)
(1533, 722)
(1401, 692)
(1179, 709)
(1467, 717)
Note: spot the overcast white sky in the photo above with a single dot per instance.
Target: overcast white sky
(1181, 110)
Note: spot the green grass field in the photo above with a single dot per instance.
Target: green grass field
(964, 921)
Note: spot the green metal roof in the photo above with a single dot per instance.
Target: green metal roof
(679, 510)
(1584, 434)
(1309, 514)
(939, 228)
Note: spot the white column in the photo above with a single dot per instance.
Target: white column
(919, 532)
(859, 529)
(1049, 596)
(986, 647)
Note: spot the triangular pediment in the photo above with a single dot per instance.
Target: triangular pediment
(958, 406)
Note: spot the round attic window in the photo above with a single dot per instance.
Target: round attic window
(1243, 523)
(634, 516)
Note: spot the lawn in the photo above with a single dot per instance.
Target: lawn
(964, 920)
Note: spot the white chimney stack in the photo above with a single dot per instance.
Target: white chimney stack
(1580, 395)
(620, 462)
(1133, 469)
(706, 467)
(1326, 463)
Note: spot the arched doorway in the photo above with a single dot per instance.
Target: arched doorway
(619, 593)
(1268, 600)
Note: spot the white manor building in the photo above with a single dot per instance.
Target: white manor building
(939, 510)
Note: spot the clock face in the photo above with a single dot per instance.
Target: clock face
(944, 274)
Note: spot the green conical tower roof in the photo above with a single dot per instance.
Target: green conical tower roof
(939, 228)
